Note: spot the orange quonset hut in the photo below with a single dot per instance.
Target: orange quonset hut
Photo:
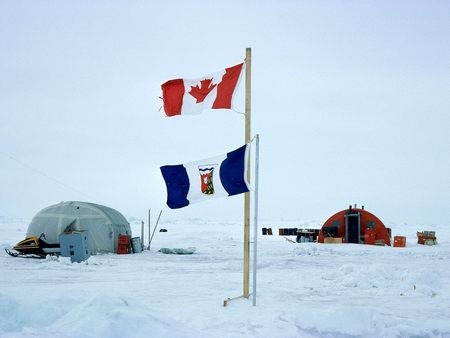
(355, 225)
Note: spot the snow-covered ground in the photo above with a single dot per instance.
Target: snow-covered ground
(304, 289)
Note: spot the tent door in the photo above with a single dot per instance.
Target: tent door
(353, 228)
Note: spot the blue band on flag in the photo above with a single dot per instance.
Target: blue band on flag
(232, 171)
(177, 183)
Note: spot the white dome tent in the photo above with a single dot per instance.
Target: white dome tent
(104, 224)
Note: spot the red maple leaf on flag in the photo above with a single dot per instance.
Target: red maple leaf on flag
(201, 92)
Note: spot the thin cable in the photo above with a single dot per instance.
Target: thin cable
(48, 177)
(238, 112)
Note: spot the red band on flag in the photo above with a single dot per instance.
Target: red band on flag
(173, 92)
(225, 89)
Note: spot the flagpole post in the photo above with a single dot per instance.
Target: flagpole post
(142, 233)
(248, 56)
(149, 229)
(255, 220)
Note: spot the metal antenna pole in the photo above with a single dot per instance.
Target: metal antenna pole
(149, 229)
(255, 222)
(156, 225)
(142, 233)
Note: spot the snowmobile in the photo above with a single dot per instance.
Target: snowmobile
(34, 247)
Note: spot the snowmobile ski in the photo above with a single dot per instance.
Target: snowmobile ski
(23, 255)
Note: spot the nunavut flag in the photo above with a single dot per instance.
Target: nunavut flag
(213, 91)
(206, 179)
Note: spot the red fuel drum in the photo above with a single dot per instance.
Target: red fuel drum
(370, 226)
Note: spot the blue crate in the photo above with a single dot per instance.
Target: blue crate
(75, 245)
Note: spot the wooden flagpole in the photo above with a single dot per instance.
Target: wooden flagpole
(246, 274)
(248, 63)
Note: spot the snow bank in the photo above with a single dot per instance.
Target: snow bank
(100, 316)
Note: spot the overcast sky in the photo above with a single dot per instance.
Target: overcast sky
(351, 99)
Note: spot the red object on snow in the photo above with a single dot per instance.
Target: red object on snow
(399, 241)
(123, 244)
(355, 225)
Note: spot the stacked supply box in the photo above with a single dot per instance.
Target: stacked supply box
(287, 231)
(399, 241)
(75, 245)
(426, 237)
(123, 244)
(267, 231)
(333, 240)
(307, 235)
(380, 242)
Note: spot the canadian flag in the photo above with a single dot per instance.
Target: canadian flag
(213, 91)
